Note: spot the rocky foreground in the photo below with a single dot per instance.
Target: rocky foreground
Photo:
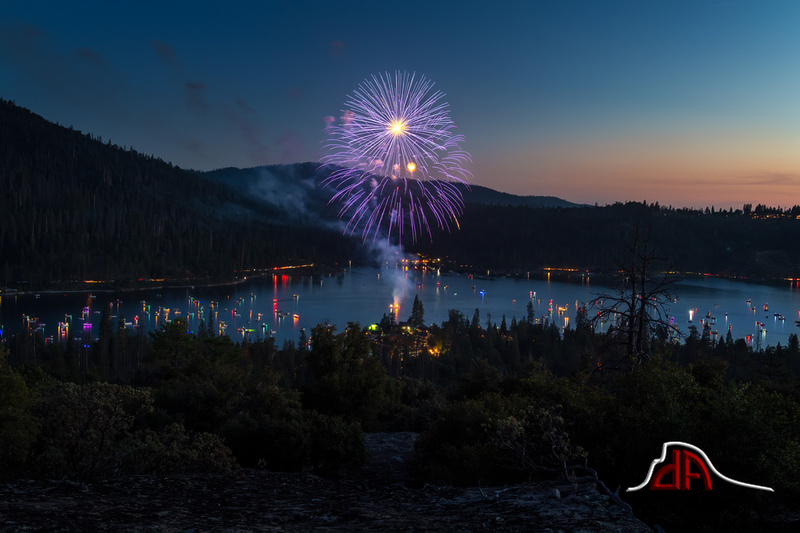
(251, 500)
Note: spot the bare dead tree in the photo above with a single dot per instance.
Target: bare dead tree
(635, 307)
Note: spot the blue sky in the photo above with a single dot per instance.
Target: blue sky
(686, 103)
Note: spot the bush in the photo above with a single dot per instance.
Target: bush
(268, 429)
(416, 405)
(455, 449)
(88, 433)
(275, 444)
(271, 430)
(328, 445)
(199, 404)
(750, 434)
(173, 450)
(534, 442)
(18, 426)
(494, 439)
(337, 446)
(83, 428)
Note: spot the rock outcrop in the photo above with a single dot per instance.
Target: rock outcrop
(252, 500)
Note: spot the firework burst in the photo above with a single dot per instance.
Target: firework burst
(396, 162)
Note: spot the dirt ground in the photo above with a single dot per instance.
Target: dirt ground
(251, 500)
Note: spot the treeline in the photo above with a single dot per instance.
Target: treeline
(730, 243)
(495, 404)
(74, 208)
(513, 236)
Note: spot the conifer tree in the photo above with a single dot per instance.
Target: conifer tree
(417, 318)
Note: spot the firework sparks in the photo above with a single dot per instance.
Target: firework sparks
(396, 162)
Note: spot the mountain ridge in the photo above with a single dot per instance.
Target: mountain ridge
(77, 209)
(471, 193)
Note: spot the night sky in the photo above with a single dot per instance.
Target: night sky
(689, 103)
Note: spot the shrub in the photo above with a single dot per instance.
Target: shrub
(173, 450)
(275, 444)
(88, 433)
(199, 404)
(18, 426)
(268, 429)
(415, 405)
(337, 446)
(83, 427)
(534, 442)
(494, 439)
(271, 430)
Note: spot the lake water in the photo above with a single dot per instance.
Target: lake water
(282, 305)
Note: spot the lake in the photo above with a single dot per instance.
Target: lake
(282, 305)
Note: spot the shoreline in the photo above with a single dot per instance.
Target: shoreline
(566, 275)
(103, 286)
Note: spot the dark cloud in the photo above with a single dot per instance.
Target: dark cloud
(252, 137)
(195, 97)
(241, 104)
(291, 146)
(70, 79)
(774, 178)
(93, 56)
(28, 52)
(235, 121)
(26, 46)
(762, 179)
(19, 39)
(240, 117)
(336, 48)
(94, 95)
(166, 53)
(196, 148)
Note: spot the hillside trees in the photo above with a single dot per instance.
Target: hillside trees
(76, 209)
(520, 239)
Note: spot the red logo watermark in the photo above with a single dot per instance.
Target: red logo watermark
(689, 463)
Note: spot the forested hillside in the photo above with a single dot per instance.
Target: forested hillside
(500, 231)
(74, 208)
(755, 243)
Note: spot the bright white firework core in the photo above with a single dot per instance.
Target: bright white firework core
(397, 127)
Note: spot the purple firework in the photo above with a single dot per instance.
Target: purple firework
(396, 162)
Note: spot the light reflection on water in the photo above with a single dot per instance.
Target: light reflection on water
(282, 305)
